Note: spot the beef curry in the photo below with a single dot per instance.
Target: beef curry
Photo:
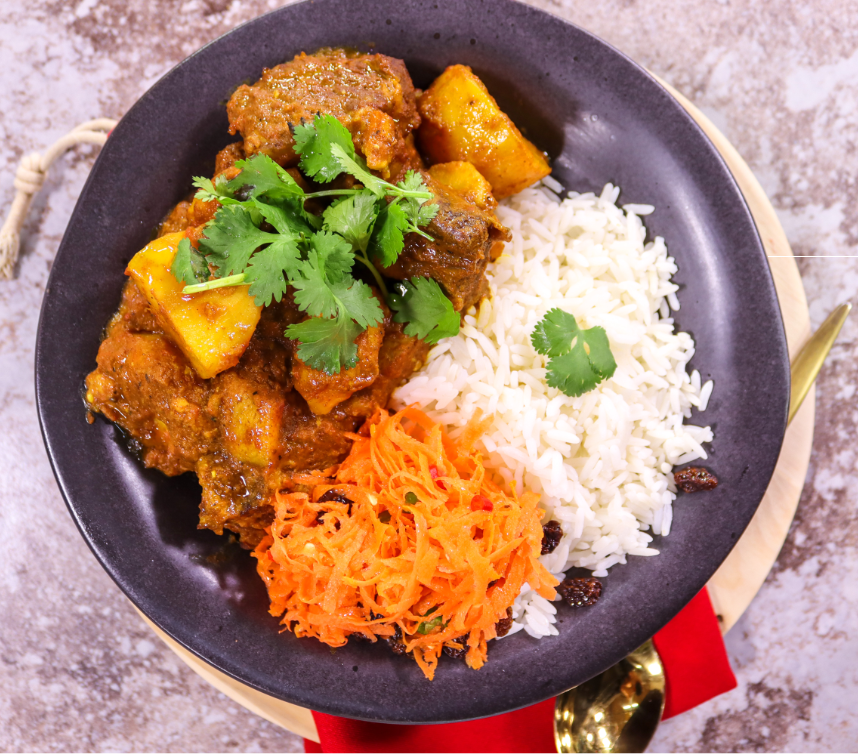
(250, 418)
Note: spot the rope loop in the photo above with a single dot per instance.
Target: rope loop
(30, 177)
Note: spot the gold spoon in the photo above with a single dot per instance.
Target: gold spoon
(619, 710)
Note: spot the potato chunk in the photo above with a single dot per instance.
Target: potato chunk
(250, 418)
(466, 180)
(211, 328)
(462, 121)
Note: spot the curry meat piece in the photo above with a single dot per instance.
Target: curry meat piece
(322, 391)
(371, 95)
(464, 239)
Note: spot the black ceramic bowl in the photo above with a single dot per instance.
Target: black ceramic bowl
(601, 118)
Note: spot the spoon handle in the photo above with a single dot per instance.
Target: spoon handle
(809, 361)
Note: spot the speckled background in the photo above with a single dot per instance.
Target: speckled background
(80, 670)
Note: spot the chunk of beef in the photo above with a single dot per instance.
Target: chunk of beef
(144, 383)
(323, 391)
(464, 239)
(371, 95)
(228, 156)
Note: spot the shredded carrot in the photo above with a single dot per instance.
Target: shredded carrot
(417, 544)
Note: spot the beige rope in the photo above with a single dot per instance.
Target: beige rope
(29, 179)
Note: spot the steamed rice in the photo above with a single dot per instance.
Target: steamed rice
(602, 462)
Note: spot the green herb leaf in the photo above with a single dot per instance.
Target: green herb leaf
(261, 176)
(355, 165)
(317, 263)
(412, 182)
(288, 217)
(327, 263)
(335, 255)
(271, 268)
(231, 238)
(189, 266)
(352, 218)
(357, 298)
(388, 235)
(316, 142)
(211, 191)
(579, 359)
(417, 208)
(426, 214)
(411, 498)
(426, 310)
(327, 344)
(324, 286)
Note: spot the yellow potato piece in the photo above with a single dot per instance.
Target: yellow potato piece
(465, 180)
(462, 121)
(211, 328)
(250, 419)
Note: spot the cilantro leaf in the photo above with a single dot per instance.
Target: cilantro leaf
(327, 264)
(360, 303)
(426, 310)
(418, 212)
(326, 344)
(324, 286)
(426, 214)
(355, 165)
(578, 359)
(313, 293)
(316, 142)
(267, 267)
(189, 266)
(259, 176)
(388, 235)
(352, 218)
(209, 191)
(231, 238)
(413, 181)
(288, 218)
(418, 209)
(335, 255)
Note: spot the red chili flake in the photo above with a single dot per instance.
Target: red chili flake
(270, 556)
(433, 472)
(481, 503)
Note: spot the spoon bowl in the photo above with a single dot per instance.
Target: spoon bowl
(617, 711)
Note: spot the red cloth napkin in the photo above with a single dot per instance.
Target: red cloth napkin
(695, 666)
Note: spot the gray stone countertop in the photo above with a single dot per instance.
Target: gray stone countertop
(80, 670)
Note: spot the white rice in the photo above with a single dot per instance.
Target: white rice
(602, 462)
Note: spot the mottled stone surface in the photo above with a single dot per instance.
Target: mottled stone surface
(80, 671)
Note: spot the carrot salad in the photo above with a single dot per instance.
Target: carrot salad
(408, 541)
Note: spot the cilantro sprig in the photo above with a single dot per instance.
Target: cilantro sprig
(427, 312)
(263, 236)
(578, 359)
